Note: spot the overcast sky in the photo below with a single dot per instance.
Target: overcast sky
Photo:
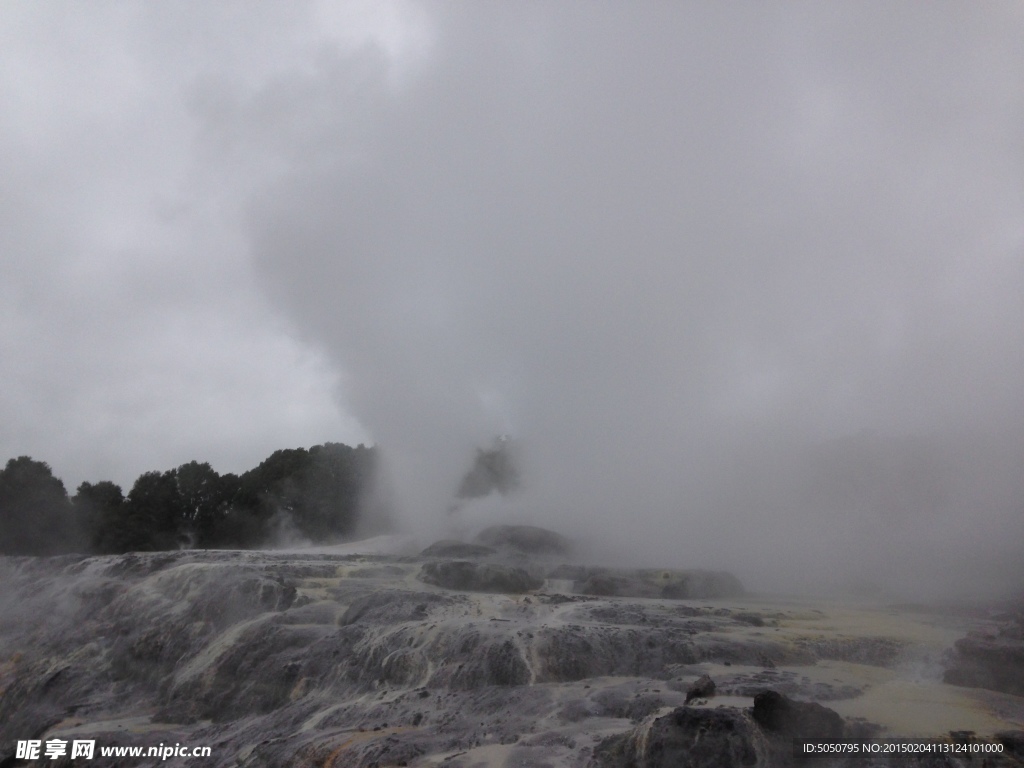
(700, 259)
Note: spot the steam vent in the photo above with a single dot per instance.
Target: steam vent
(499, 651)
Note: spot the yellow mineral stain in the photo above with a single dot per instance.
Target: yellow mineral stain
(907, 708)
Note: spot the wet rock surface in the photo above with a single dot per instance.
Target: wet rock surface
(991, 658)
(778, 713)
(524, 539)
(459, 549)
(649, 583)
(701, 688)
(688, 738)
(479, 577)
(330, 659)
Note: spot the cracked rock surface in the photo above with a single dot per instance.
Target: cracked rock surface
(458, 656)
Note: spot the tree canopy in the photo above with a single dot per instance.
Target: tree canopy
(35, 515)
(315, 494)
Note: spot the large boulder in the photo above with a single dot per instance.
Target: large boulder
(688, 737)
(783, 716)
(524, 539)
(702, 688)
(459, 549)
(1012, 742)
(992, 659)
(724, 737)
(479, 577)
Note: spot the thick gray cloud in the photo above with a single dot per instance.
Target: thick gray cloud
(134, 336)
(744, 281)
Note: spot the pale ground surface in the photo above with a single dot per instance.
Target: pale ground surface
(907, 698)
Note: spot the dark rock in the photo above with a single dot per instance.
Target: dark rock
(452, 548)
(525, 539)
(782, 715)
(992, 660)
(1013, 743)
(479, 577)
(688, 737)
(702, 688)
(962, 737)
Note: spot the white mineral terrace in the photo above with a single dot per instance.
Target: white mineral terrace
(362, 654)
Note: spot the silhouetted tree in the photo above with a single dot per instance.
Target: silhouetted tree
(332, 483)
(35, 513)
(268, 494)
(317, 491)
(154, 514)
(206, 498)
(100, 509)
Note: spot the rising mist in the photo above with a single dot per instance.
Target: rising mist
(743, 282)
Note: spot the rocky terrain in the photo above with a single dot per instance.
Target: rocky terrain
(497, 652)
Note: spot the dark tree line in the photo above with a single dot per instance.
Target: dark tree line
(314, 494)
